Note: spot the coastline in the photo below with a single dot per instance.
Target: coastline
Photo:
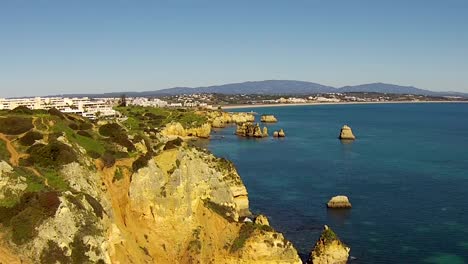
(334, 103)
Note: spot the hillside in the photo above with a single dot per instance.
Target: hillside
(132, 191)
(281, 87)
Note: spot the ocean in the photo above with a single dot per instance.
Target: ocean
(406, 176)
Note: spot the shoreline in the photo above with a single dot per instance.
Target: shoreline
(333, 103)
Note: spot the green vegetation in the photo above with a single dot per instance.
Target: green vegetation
(13, 125)
(224, 211)
(173, 144)
(55, 154)
(118, 175)
(54, 179)
(97, 207)
(30, 138)
(245, 233)
(151, 117)
(142, 161)
(328, 236)
(117, 134)
(4, 154)
(30, 212)
(22, 110)
(54, 254)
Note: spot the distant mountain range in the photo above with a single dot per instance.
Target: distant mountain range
(282, 87)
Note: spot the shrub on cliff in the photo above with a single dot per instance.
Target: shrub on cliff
(23, 110)
(13, 125)
(84, 134)
(173, 143)
(29, 213)
(108, 159)
(29, 138)
(55, 112)
(142, 161)
(117, 134)
(54, 154)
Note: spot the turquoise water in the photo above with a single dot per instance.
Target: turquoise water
(406, 176)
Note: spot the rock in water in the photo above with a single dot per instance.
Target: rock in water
(347, 133)
(251, 130)
(268, 119)
(339, 201)
(265, 132)
(329, 249)
(281, 133)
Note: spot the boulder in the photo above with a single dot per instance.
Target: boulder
(275, 134)
(265, 132)
(346, 133)
(268, 119)
(329, 249)
(339, 201)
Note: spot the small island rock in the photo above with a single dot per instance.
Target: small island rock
(329, 249)
(339, 201)
(268, 119)
(281, 133)
(347, 133)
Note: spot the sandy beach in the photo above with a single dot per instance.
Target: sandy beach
(334, 103)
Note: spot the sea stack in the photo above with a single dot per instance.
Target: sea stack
(329, 249)
(268, 119)
(279, 133)
(346, 133)
(339, 201)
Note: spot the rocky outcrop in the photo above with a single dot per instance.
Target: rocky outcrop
(175, 129)
(268, 119)
(251, 130)
(279, 133)
(220, 119)
(346, 133)
(339, 201)
(262, 220)
(329, 249)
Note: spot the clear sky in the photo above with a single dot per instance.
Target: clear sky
(55, 47)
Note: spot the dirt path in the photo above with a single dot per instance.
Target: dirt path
(14, 155)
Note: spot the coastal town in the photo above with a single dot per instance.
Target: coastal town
(97, 107)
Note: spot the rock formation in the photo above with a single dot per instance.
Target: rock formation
(279, 133)
(268, 119)
(220, 119)
(175, 129)
(346, 133)
(262, 220)
(339, 201)
(329, 249)
(251, 130)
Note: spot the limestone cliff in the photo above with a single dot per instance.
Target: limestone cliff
(123, 193)
(175, 129)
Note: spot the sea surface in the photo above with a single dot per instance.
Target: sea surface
(406, 176)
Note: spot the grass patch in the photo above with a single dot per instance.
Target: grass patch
(118, 175)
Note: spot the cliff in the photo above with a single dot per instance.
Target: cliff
(72, 191)
(251, 130)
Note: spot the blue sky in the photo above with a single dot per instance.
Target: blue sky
(54, 47)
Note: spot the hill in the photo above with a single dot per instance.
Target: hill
(280, 87)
